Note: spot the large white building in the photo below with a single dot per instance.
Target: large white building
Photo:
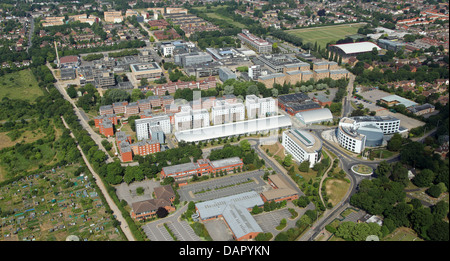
(302, 146)
(143, 126)
(224, 112)
(356, 133)
(167, 49)
(188, 119)
(260, 107)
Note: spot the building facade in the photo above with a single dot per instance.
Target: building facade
(302, 145)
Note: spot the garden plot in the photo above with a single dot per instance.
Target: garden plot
(53, 205)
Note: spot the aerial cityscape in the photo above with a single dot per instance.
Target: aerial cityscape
(224, 121)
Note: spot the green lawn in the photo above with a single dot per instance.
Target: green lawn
(326, 34)
(20, 85)
(227, 19)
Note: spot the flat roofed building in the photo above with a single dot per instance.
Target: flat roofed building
(146, 70)
(143, 126)
(235, 212)
(260, 107)
(254, 42)
(281, 191)
(223, 112)
(296, 102)
(355, 133)
(303, 146)
(113, 16)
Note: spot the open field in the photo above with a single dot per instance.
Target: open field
(227, 19)
(326, 34)
(402, 234)
(336, 190)
(19, 85)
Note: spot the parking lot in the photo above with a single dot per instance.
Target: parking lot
(129, 194)
(374, 95)
(222, 187)
(156, 231)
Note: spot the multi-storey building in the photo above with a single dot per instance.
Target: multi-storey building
(260, 107)
(146, 147)
(356, 133)
(191, 119)
(303, 146)
(223, 112)
(254, 42)
(143, 126)
(113, 16)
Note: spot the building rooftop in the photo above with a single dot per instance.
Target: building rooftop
(407, 103)
(234, 211)
(354, 48)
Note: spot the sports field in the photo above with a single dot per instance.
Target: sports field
(326, 34)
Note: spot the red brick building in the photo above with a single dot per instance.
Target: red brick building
(145, 147)
(282, 190)
(164, 197)
(201, 167)
(106, 128)
(99, 120)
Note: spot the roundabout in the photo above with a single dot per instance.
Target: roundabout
(362, 169)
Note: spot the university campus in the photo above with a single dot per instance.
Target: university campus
(224, 121)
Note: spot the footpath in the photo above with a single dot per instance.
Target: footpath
(123, 223)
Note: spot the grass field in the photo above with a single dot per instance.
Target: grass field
(19, 85)
(325, 34)
(336, 190)
(227, 19)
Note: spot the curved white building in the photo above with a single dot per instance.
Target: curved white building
(356, 133)
(302, 145)
(314, 116)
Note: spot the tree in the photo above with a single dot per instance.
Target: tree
(245, 145)
(383, 169)
(304, 166)
(287, 160)
(228, 89)
(162, 212)
(434, 191)
(71, 91)
(438, 231)
(421, 220)
(144, 82)
(136, 95)
(424, 178)
(253, 89)
(395, 143)
(303, 201)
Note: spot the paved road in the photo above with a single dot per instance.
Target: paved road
(118, 214)
(346, 104)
